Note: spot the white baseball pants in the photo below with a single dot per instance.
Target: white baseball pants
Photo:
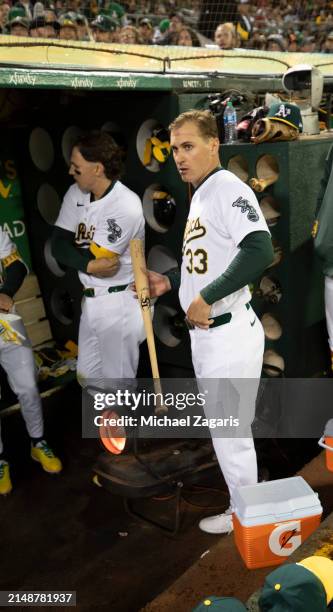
(111, 330)
(19, 365)
(233, 351)
(329, 309)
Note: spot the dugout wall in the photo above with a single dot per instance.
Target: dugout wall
(41, 125)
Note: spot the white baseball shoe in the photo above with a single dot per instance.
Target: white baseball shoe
(220, 523)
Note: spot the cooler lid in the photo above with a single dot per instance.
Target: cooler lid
(277, 500)
(329, 429)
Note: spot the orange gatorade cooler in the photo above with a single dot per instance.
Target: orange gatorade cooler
(326, 441)
(272, 519)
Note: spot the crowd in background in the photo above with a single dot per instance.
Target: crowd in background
(271, 25)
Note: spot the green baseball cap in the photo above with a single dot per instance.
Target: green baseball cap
(104, 23)
(292, 588)
(163, 25)
(16, 11)
(286, 113)
(220, 604)
(22, 21)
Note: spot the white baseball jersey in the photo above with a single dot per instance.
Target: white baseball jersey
(8, 253)
(6, 245)
(18, 360)
(111, 222)
(223, 211)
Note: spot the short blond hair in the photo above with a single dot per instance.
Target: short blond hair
(204, 120)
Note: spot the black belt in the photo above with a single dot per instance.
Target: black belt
(222, 319)
(225, 318)
(91, 292)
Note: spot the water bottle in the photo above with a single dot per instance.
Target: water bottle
(230, 124)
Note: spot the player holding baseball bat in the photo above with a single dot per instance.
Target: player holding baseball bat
(142, 291)
(226, 245)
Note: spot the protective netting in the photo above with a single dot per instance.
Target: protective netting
(271, 25)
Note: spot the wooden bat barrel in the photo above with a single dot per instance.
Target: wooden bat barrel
(267, 169)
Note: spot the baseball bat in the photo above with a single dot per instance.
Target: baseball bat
(142, 289)
(260, 184)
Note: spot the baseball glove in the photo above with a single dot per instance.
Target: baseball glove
(266, 130)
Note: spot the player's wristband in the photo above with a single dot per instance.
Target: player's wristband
(174, 278)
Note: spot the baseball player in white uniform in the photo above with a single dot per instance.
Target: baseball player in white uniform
(17, 360)
(98, 218)
(322, 233)
(226, 245)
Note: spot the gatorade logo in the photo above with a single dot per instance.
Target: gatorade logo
(285, 538)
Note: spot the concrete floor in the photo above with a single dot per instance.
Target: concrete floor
(221, 571)
(62, 532)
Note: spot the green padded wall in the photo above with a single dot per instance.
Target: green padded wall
(301, 308)
(12, 216)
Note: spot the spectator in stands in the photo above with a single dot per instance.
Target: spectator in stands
(212, 13)
(19, 26)
(28, 8)
(50, 15)
(244, 22)
(160, 8)
(176, 24)
(257, 41)
(39, 10)
(188, 38)
(308, 45)
(51, 29)
(116, 11)
(72, 6)
(129, 35)
(7, 14)
(38, 28)
(327, 46)
(276, 42)
(292, 42)
(68, 27)
(161, 31)
(103, 28)
(146, 31)
(82, 27)
(226, 36)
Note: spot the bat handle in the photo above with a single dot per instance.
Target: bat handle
(160, 408)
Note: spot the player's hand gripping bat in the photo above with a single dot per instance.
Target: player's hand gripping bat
(142, 289)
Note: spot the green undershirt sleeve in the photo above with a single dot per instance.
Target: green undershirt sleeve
(256, 253)
(174, 278)
(14, 276)
(65, 251)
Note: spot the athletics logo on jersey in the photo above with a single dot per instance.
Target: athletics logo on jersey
(193, 230)
(246, 207)
(114, 229)
(84, 235)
